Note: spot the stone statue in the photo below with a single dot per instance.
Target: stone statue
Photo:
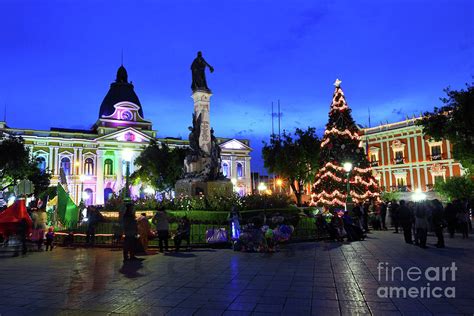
(195, 132)
(215, 167)
(198, 68)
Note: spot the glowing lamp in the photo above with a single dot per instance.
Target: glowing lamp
(85, 195)
(127, 155)
(149, 190)
(234, 181)
(347, 166)
(262, 186)
(418, 195)
(279, 182)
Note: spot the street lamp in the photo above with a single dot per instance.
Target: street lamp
(127, 156)
(347, 168)
(418, 195)
(279, 183)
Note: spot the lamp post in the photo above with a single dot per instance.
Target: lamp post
(127, 156)
(347, 168)
(82, 178)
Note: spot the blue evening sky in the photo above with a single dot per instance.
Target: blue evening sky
(57, 59)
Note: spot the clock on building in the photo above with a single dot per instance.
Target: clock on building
(126, 116)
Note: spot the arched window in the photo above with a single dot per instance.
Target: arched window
(66, 165)
(108, 192)
(89, 167)
(108, 167)
(225, 169)
(88, 197)
(240, 170)
(41, 163)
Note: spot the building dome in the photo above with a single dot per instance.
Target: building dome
(120, 91)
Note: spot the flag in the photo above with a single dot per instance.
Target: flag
(10, 217)
(68, 212)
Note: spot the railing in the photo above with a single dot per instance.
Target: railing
(436, 157)
(400, 188)
(399, 161)
(374, 163)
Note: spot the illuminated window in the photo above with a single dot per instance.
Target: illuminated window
(108, 167)
(41, 163)
(66, 165)
(225, 169)
(240, 170)
(401, 182)
(89, 167)
(88, 197)
(373, 157)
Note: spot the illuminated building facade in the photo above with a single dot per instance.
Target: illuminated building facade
(96, 154)
(403, 159)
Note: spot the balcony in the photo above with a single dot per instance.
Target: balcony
(399, 160)
(374, 163)
(400, 188)
(436, 157)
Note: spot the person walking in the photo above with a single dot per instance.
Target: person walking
(129, 225)
(50, 238)
(22, 232)
(439, 222)
(365, 216)
(143, 231)
(450, 213)
(383, 214)
(421, 224)
(405, 220)
(395, 213)
(183, 233)
(160, 220)
(463, 219)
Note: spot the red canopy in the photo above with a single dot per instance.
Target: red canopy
(10, 218)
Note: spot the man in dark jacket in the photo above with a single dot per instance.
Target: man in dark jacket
(405, 220)
(130, 230)
(438, 221)
(394, 213)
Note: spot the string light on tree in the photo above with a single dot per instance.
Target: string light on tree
(341, 143)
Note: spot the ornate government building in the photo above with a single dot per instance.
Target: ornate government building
(92, 159)
(403, 159)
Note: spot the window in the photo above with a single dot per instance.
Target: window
(108, 167)
(225, 169)
(41, 163)
(88, 197)
(373, 157)
(240, 170)
(66, 165)
(436, 152)
(108, 193)
(89, 167)
(401, 182)
(399, 157)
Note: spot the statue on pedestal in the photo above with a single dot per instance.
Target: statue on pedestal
(195, 132)
(198, 68)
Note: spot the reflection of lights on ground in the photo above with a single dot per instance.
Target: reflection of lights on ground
(418, 195)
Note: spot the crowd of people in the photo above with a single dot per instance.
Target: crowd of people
(414, 219)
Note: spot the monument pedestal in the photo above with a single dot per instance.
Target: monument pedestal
(193, 187)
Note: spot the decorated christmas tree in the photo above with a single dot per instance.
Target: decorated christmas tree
(341, 147)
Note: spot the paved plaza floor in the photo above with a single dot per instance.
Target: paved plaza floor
(313, 278)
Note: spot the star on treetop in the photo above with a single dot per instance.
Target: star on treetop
(337, 83)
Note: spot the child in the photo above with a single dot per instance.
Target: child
(50, 238)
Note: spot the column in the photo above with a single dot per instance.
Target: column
(202, 108)
(75, 158)
(81, 162)
(410, 159)
(99, 186)
(118, 170)
(50, 160)
(448, 155)
(248, 184)
(56, 160)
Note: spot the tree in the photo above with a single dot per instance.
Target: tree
(456, 188)
(454, 121)
(294, 158)
(16, 164)
(159, 166)
(341, 144)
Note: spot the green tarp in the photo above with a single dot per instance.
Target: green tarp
(68, 212)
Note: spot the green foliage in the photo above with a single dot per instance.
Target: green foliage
(456, 188)
(16, 165)
(390, 196)
(294, 158)
(454, 121)
(159, 166)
